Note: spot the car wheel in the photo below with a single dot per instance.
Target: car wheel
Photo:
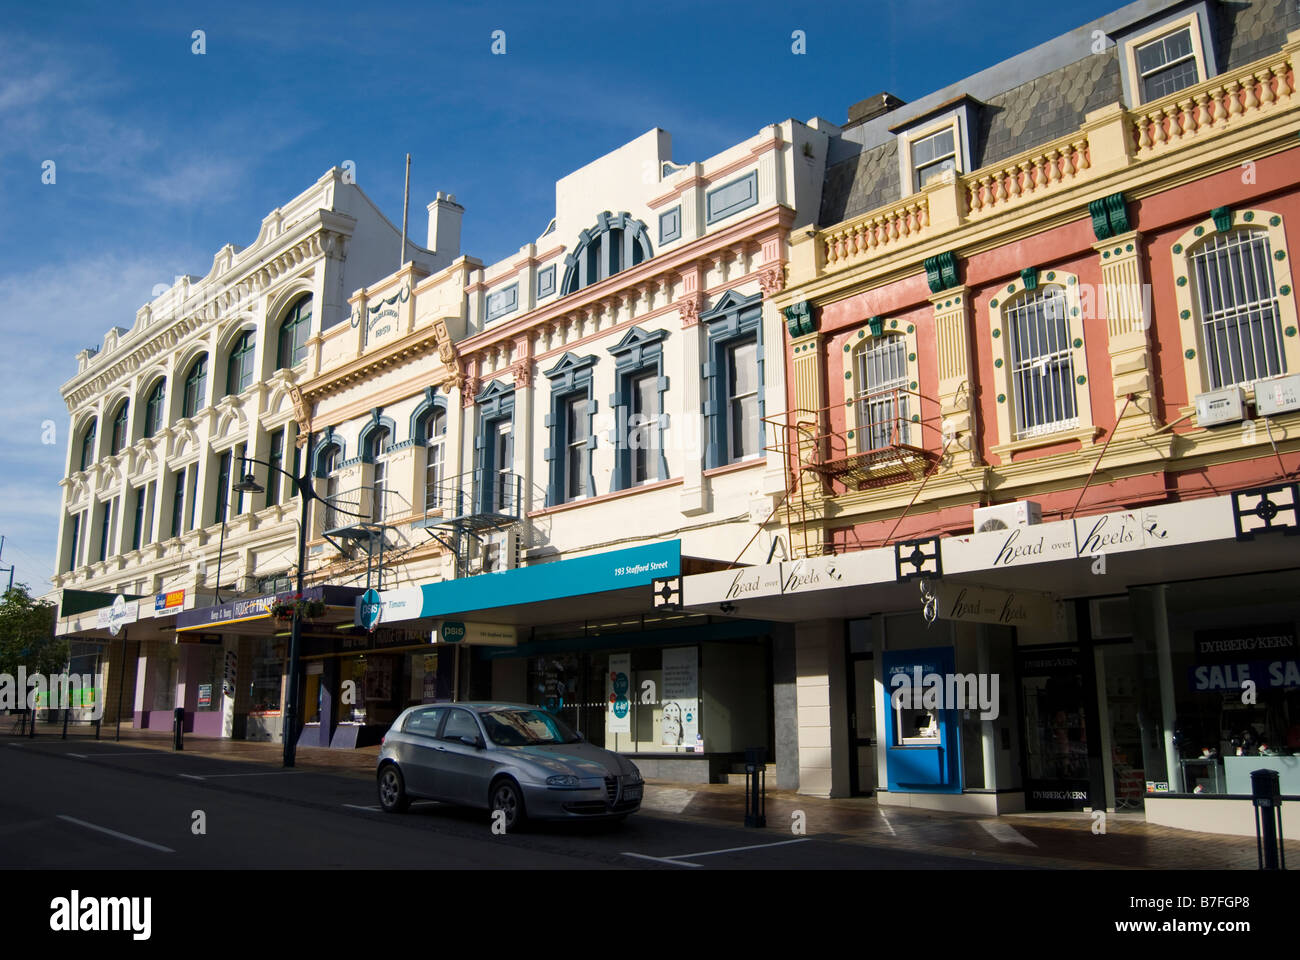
(507, 797)
(392, 790)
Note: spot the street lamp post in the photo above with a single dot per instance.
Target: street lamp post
(306, 494)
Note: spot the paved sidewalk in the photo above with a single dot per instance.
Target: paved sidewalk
(1037, 839)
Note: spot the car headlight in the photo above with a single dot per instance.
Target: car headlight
(562, 780)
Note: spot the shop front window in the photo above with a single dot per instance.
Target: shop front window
(268, 671)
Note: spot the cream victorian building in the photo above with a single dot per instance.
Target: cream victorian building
(161, 416)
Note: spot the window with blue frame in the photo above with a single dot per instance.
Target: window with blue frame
(88, 446)
(239, 370)
(616, 243)
(733, 376)
(495, 480)
(639, 418)
(569, 423)
(153, 408)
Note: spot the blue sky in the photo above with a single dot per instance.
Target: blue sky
(162, 156)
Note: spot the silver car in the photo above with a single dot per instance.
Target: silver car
(503, 756)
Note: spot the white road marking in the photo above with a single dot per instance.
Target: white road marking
(141, 755)
(114, 833)
(353, 806)
(892, 831)
(667, 799)
(757, 846)
(1005, 833)
(675, 863)
(189, 776)
(79, 756)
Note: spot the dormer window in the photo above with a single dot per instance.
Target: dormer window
(933, 155)
(1167, 64)
(935, 141)
(1159, 59)
(616, 243)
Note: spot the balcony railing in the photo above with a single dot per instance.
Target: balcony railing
(476, 499)
(363, 505)
(883, 441)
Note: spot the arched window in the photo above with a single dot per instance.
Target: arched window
(119, 428)
(294, 332)
(239, 371)
(88, 445)
(881, 399)
(196, 387)
(435, 463)
(153, 408)
(379, 441)
(614, 244)
(327, 466)
(1237, 310)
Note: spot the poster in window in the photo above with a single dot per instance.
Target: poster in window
(379, 679)
(680, 722)
(618, 694)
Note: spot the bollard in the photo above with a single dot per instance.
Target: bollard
(1266, 792)
(178, 728)
(756, 787)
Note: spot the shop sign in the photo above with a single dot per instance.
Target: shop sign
(117, 616)
(1017, 547)
(383, 637)
(1233, 644)
(475, 634)
(790, 577)
(577, 576)
(620, 706)
(374, 607)
(205, 694)
(171, 600)
(1013, 608)
(1166, 525)
(1265, 674)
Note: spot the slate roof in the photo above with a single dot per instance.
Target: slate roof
(1037, 111)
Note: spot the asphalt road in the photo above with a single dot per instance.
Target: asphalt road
(100, 804)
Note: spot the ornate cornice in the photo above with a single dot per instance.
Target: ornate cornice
(225, 291)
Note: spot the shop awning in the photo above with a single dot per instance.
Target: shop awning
(1098, 555)
(599, 585)
(252, 615)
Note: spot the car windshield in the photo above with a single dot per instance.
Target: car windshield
(522, 728)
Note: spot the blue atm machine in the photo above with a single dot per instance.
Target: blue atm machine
(923, 745)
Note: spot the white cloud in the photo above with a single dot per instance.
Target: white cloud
(46, 317)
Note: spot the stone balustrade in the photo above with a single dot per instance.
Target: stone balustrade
(1112, 138)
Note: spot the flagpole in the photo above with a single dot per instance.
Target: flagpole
(406, 206)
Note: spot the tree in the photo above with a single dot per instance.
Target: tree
(27, 634)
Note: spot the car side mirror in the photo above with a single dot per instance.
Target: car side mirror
(476, 742)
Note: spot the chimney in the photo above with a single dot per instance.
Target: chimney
(444, 226)
(872, 107)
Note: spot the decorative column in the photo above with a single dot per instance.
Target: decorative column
(1128, 314)
(694, 497)
(522, 371)
(952, 329)
(807, 420)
